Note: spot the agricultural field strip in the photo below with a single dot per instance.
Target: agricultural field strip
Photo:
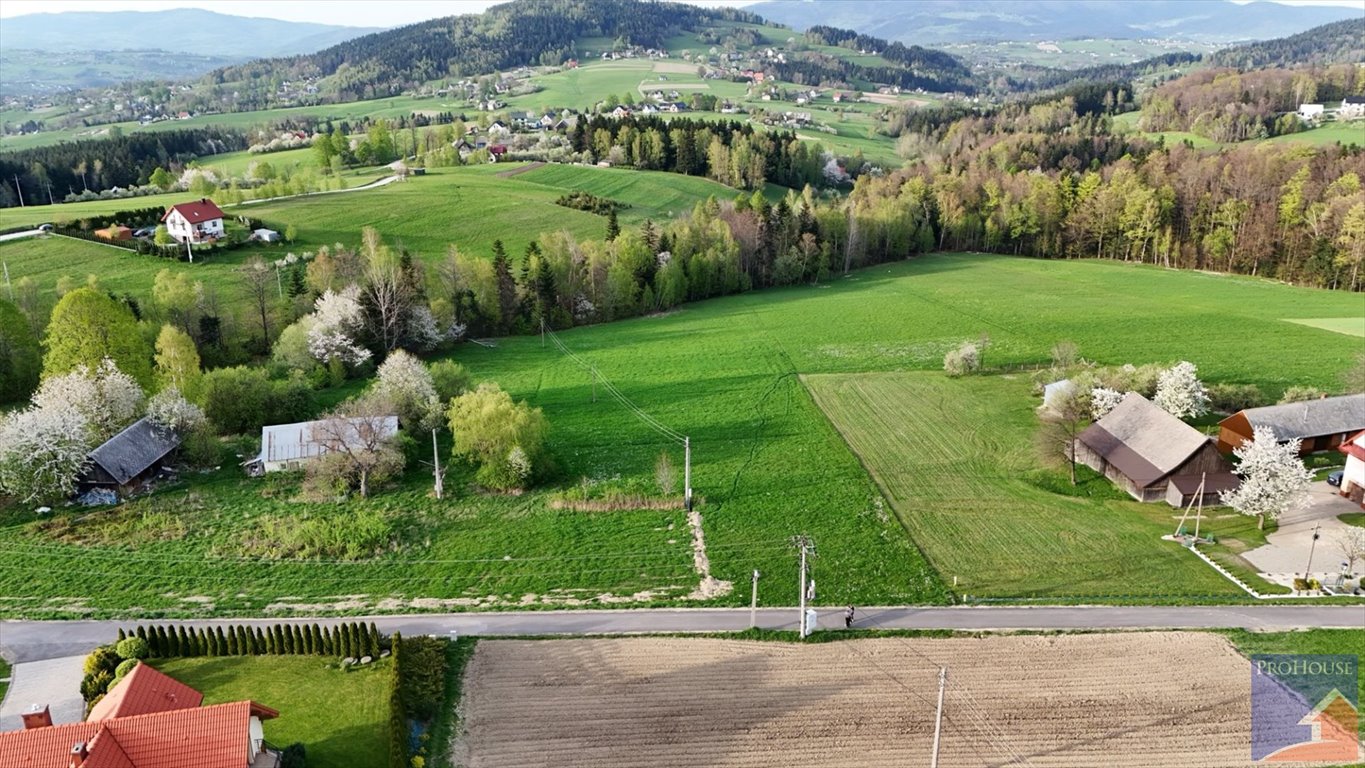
(857, 702)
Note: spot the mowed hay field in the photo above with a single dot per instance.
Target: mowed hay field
(1139, 699)
(957, 460)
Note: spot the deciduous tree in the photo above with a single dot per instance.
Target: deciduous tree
(1274, 479)
(86, 328)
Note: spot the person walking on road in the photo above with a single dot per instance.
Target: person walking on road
(848, 618)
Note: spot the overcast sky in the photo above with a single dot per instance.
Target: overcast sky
(355, 13)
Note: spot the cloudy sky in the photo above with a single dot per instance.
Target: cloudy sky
(356, 13)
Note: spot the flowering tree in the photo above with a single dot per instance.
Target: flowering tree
(407, 385)
(170, 409)
(1274, 480)
(1180, 393)
(1103, 400)
(42, 453)
(962, 360)
(107, 399)
(339, 318)
(1351, 545)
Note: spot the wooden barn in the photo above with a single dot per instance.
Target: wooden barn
(1142, 449)
(130, 458)
(1319, 425)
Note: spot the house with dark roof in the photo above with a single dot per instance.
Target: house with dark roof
(147, 720)
(131, 457)
(194, 222)
(1318, 425)
(1144, 450)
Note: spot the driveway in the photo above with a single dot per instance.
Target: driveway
(55, 683)
(21, 235)
(1285, 553)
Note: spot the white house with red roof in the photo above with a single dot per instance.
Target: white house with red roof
(147, 720)
(194, 222)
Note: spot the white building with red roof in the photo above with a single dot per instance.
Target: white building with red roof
(1353, 476)
(194, 222)
(148, 720)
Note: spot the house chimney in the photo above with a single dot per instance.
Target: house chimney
(37, 716)
(78, 754)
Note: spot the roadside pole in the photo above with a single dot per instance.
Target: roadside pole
(753, 603)
(938, 717)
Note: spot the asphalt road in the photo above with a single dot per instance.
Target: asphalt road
(23, 641)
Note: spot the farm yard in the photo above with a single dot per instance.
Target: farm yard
(1139, 699)
(768, 464)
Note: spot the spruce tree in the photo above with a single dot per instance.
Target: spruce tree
(121, 636)
(317, 640)
(270, 643)
(231, 641)
(289, 645)
(374, 640)
(173, 639)
(162, 642)
(222, 641)
(613, 227)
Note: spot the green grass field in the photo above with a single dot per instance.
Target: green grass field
(4, 678)
(956, 459)
(1350, 326)
(1312, 642)
(767, 462)
(342, 717)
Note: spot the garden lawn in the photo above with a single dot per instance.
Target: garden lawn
(956, 459)
(1313, 642)
(4, 678)
(767, 464)
(341, 717)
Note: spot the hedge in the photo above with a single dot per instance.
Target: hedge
(349, 640)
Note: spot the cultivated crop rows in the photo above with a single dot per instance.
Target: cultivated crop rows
(1149, 699)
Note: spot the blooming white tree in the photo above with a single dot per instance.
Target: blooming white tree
(406, 384)
(422, 332)
(1180, 393)
(1103, 400)
(107, 399)
(42, 453)
(1274, 479)
(170, 409)
(966, 358)
(338, 318)
(1351, 545)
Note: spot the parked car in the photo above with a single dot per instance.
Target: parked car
(144, 232)
(1334, 478)
(44, 227)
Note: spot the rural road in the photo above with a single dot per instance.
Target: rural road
(371, 185)
(25, 641)
(21, 235)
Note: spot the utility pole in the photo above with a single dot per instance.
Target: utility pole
(938, 718)
(8, 286)
(542, 332)
(593, 373)
(1309, 569)
(753, 603)
(436, 465)
(189, 249)
(19, 189)
(687, 473)
(804, 544)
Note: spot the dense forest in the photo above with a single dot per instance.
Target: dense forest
(45, 174)
(523, 32)
(1033, 78)
(1341, 42)
(917, 67)
(1229, 105)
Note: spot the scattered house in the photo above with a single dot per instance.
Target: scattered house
(1142, 448)
(464, 148)
(1352, 108)
(130, 458)
(147, 720)
(498, 127)
(620, 112)
(265, 235)
(649, 109)
(194, 222)
(1353, 476)
(115, 232)
(1320, 425)
(1054, 392)
(496, 152)
(547, 121)
(290, 446)
(674, 107)
(571, 64)
(1310, 112)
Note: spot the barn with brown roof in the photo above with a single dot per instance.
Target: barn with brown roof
(131, 457)
(1143, 449)
(1318, 425)
(148, 720)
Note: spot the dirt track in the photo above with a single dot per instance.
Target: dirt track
(1140, 699)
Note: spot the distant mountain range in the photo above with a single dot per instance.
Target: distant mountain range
(178, 31)
(928, 22)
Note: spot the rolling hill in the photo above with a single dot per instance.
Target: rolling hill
(954, 21)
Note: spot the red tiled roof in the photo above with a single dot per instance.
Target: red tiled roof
(143, 691)
(197, 212)
(205, 737)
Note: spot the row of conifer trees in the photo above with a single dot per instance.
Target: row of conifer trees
(349, 640)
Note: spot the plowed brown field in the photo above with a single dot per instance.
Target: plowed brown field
(1140, 699)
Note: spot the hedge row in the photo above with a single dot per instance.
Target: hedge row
(351, 640)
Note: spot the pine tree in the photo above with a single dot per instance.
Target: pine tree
(150, 637)
(278, 632)
(374, 640)
(222, 641)
(270, 643)
(613, 227)
(289, 640)
(162, 641)
(142, 632)
(316, 642)
(173, 637)
(232, 649)
(262, 646)
(212, 642)
(507, 286)
(121, 636)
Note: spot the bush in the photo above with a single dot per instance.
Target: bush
(132, 648)
(1301, 394)
(103, 658)
(124, 667)
(586, 201)
(450, 380)
(963, 360)
(505, 439)
(422, 677)
(96, 684)
(293, 756)
(241, 400)
(1230, 398)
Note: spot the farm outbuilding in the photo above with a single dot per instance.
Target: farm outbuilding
(1320, 425)
(115, 232)
(1141, 448)
(290, 446)
(130, 458)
